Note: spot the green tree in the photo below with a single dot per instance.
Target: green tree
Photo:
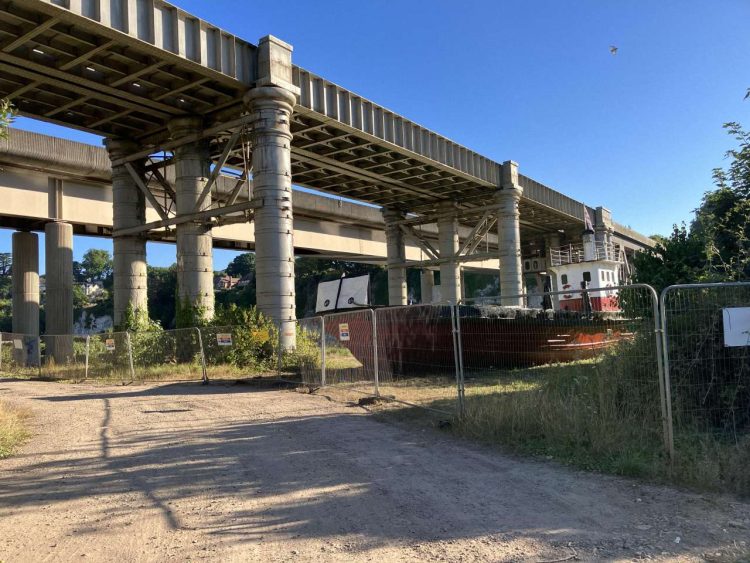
(723, 219)
(241, 265)
(6, 262)
(80, 299)
(7, 115)
(162, 291)
(717, 245)
(96, 264)
(678, 258)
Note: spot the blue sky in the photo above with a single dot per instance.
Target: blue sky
(534, 81)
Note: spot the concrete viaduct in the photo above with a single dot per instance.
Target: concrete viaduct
(183, 104)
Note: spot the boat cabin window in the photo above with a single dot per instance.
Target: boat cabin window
(587, 276)
(564, 278)
(604, 277)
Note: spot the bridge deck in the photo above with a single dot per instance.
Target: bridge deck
(126, 72)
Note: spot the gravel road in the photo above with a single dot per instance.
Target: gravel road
(235, 473)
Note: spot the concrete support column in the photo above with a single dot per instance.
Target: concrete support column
(59, 299)
(427, 284)
(271, 108)
(603, 228)
(129, 252)
(195, 271)
(450, 271)
(551, 241)
(396, 254)
(25, 294)
(509, 236)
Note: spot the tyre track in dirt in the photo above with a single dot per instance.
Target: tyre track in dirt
(232, 473)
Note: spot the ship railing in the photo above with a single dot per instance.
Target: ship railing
(574, 253)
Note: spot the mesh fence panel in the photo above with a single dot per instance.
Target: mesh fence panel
(19, 354)
(167, 355)
(103, 357)
(350, 351)
(310, 340)
(238, 351)
(707, 351)
(416, 355)
(581, 379)
(60, 358)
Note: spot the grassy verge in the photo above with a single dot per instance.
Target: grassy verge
(602, 415)
(12, 428)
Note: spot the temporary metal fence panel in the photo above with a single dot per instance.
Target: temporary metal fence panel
(560, 376)
(169, 355)
(417, 355)
(61, 357)
(707, 365)
(232, 351)
(19, 354)
(311, 351)
(350, 351)
(105, 356)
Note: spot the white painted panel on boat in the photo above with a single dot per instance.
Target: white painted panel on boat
(737, 326)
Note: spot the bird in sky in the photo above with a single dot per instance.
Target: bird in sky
(613, 49)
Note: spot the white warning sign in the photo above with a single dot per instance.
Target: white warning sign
(343, 332)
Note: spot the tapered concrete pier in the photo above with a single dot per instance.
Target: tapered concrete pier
(272, 189)
(427, 285)
(59, 298)
(25, 283)
(450, 270)
(509, 237)
(195, 271)
(396, 256)
(129, 252)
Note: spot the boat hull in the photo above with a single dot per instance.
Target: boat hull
(420, 340)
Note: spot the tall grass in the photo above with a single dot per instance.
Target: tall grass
(13, 430)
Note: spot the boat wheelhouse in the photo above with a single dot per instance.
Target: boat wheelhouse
(590, 265)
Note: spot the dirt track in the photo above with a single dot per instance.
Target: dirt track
(231, 473)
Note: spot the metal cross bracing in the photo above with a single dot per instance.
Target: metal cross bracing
(126, 68)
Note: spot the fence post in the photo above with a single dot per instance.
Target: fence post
(203, 357)
(322, 351)
(130, 356)
(86, 359)
(39, 355)
(375, 351)
(1, 351)
(666, 398)
(458, 356)
(665, 367)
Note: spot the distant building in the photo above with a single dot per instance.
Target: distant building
(246, 280)
(225, 282)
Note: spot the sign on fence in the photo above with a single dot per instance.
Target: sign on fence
(224, 338)
(343, 332)
(736, 326)
(109, 344)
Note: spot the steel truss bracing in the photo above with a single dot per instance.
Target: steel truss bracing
(125, 69)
